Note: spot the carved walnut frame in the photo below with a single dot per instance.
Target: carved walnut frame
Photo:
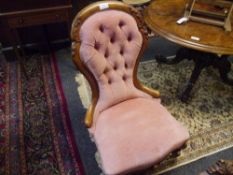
(77, 23)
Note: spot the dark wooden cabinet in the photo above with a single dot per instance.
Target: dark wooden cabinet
(15, 14)
(57, 15)
(39, 17)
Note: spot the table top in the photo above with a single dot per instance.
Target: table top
(161, 17)
(136, 2)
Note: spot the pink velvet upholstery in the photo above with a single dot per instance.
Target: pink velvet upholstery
(130, 137)
(110, 45)
(131, 129)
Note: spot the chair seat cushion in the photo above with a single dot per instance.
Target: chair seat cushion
(135, 134)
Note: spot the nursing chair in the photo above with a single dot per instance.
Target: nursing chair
(130, 127)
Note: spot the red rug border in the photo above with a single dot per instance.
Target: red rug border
(68, 121)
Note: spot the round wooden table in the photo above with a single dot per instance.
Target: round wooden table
(205, 44)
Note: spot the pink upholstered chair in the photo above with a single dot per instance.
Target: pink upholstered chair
(131, 129)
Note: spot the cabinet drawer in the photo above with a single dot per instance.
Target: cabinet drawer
(38, 19)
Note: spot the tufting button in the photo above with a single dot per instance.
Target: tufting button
(121, 24)
(97, 45)
(109, 81)
(105, 70)
(129, 37)
(106, 54)
(115, 67)
(126, 66)
(112, 40)
(122, 51)
(101, 28)
(124, 77)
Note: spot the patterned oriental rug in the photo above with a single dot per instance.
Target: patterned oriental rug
(35, 130)
(208, 115)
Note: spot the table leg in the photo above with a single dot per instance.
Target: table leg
(202, 60)
(194, 76)
(224, 67)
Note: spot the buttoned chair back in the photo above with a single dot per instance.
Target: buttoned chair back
(108, 40)
(109, 44)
